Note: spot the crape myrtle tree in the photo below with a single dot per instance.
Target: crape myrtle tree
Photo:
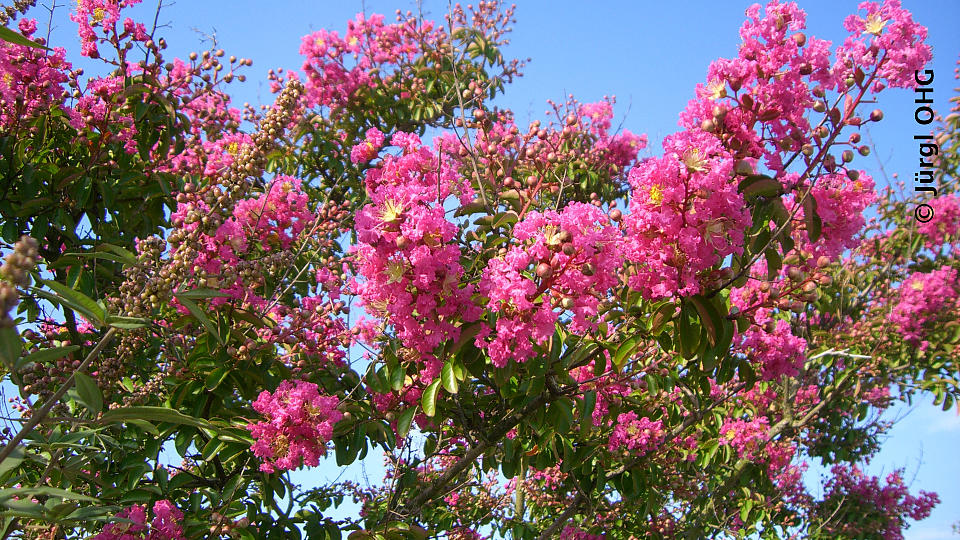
(544, 335)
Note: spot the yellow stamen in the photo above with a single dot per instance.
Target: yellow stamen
(392, 211)
(874, 24)
(395, 272)
(718, 90)
(693, 161)
(656, 194)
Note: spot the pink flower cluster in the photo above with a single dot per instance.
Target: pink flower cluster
(768, 342)
(576, 132)
(885, 39)
(571, 532)
(368, 149)
(923, 298)
(565, 260)
(840, 206)
(858, 506)
(638, 435)
(298, 426)
(609, 389)
(685, 215)
(944, 228)
(212, 157)
(778, 352)
(101, 108)
(405, 255)
(270, 222)
(165, 525)
(768, 75)
(31, 80)
(374, 47)
(105, 14)
(745, 436)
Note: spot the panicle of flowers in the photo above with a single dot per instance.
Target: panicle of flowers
(841, 200)
(922, 299)
(885, 38)
(608, 387)
(104, 14)
(778, 352)
(566, 260)
(944, 228)
(15, 272)
(539, 157)
(339, 70)
(745, 436)
(408, 265)
(103, 108)
(210, 158)
(572, 532)
(299, 423)
(166, 524)
(365, 151)
(270, 222)
(859, 506)
(637, 435)
(31, 80)
(685, 215)
(336, 67)
(766, 84)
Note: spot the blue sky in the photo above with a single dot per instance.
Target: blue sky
(650, 55)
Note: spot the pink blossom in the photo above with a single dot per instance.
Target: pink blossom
(923, 298)
(685, 215)
(558, 262)
(299, 423)
(745, 436)
(166, 524)
(639, 436)
(944, 228)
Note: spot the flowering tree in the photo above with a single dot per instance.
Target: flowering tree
(545, 336)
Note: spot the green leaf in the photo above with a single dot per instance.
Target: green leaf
(759, 186)
(198, 314)
(11, 346)
(23, 493)
(688, 334)
(75, 300)
(774, 263)
(126, 323)
(216, 377)
(709, 316)
(447, 377)
(586, 413)
(625, 351)
(405, 420)
(429, 398)
(13, 460)
(810, 217)
(53, 353)
(17, 38)
(660, 317)
(745, 511)
(125, 255)
(89, 392)
(154, 414)
(201, 293)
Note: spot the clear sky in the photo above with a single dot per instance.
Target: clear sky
(648, 54)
